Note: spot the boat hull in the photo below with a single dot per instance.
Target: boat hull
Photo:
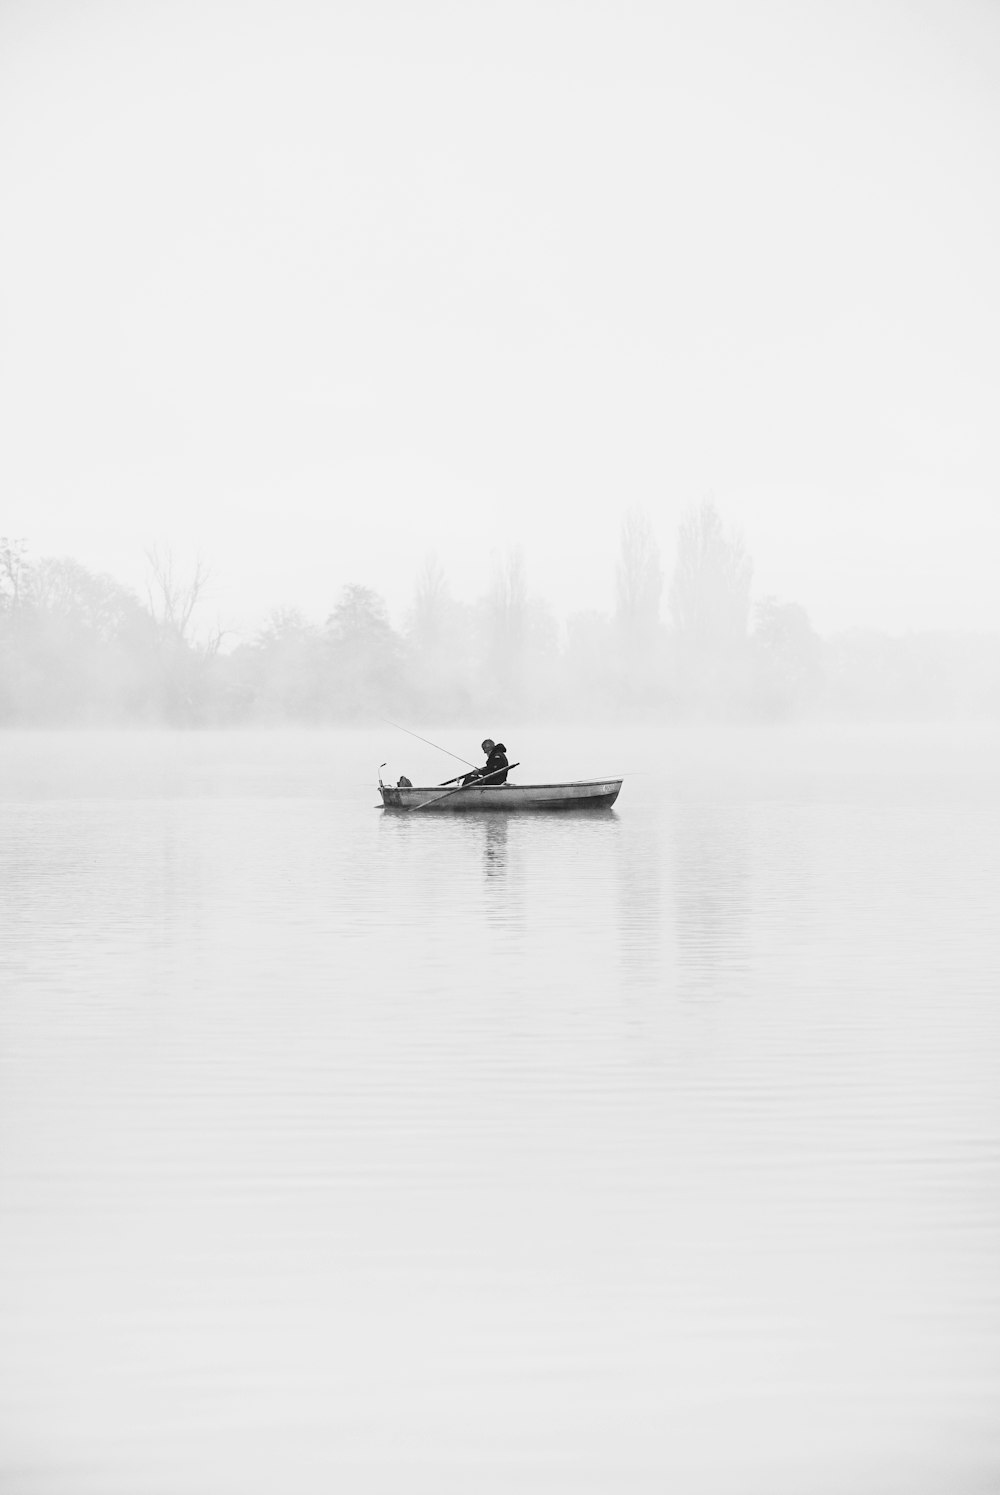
(586, 794)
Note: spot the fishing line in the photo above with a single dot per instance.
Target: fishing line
(457, 756)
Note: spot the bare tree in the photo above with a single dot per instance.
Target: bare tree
(174, 597)
(15, 573)
(187, 662)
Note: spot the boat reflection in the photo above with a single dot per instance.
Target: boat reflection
(494, 845)
(521, 863)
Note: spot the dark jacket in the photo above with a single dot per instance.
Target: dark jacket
(497, 759)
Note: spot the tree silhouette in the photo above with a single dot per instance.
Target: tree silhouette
(710, 587)
(788, 657)
(440, 634)
(710, 609)
(506, 628)
(639, 576)
(187, 664)
(365, 654)
(15, 573)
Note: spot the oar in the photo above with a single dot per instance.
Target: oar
(424, 803)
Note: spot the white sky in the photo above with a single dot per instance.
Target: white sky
(314, 289)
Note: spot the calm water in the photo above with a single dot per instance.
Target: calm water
(654, 1150)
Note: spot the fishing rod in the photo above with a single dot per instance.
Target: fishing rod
(457, 756)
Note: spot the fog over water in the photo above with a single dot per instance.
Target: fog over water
(344, 1150)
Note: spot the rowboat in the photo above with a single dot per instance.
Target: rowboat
(583, 794)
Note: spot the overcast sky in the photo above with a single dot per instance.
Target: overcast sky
(312, 290)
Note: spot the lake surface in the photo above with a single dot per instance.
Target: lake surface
(652, 1150)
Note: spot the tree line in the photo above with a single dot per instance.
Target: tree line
(78, 648)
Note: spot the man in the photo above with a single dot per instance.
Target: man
(496, 764)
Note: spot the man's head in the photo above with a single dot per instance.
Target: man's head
(488, 745)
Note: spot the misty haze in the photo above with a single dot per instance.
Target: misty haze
(584, 418)
(81, 649)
